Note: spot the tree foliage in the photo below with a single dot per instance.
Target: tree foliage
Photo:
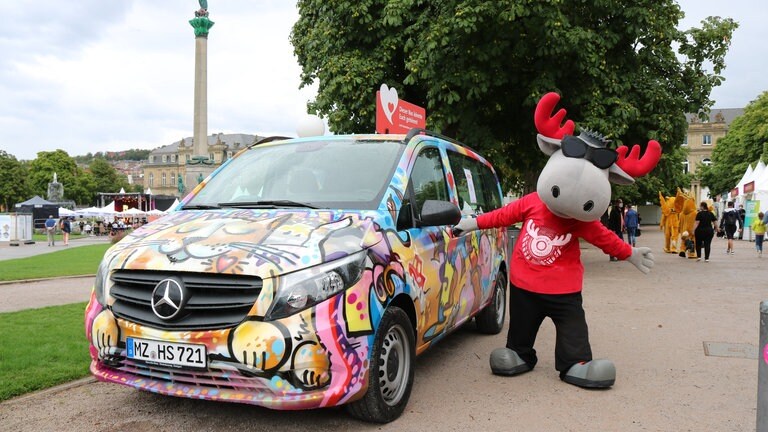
(480, 66)
(13, 185)
(42, 169)
(133, 154)
(20, 180)
(745, 143)
(80, 186)
(106, 177)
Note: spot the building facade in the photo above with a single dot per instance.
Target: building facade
(132, 170)
(167, 165)
(701, 139)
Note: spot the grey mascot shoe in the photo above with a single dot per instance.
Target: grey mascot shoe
(600, 373)
(506, 362)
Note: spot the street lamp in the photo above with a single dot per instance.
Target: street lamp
(311, 125)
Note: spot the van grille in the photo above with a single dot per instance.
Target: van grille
(215, 300)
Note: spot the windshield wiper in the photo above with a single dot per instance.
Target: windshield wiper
(266, 204)
(200, 207)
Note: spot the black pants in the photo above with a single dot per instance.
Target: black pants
(527, 311)
(703, 239)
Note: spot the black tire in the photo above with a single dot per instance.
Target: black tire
(490, 320)
(392, 367)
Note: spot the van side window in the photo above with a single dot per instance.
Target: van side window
(427, 182)
(476, 185)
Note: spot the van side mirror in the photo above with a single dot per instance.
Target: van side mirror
(436, 213)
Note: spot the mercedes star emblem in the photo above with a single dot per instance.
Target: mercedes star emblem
(168, 298)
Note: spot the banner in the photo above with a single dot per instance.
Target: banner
(5, 228)
(396, 116)
(752, 208)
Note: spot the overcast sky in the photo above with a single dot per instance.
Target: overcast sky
(95, 75)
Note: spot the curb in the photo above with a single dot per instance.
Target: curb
(45, 279)
(52, 390)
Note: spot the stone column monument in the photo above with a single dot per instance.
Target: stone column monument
(199, 165)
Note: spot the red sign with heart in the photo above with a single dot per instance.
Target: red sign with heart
(396, 116)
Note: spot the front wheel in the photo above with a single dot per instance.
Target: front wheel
(390, 377)
(490, 320)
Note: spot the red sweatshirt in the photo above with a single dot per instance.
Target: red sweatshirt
(546, 258)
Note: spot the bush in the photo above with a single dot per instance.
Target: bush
(119, 236)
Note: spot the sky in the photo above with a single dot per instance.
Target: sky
(95, 75)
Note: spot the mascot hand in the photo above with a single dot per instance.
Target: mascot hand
(464, 226)
(642, 258)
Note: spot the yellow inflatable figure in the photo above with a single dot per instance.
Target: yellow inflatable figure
(687, 219)
(671, 208)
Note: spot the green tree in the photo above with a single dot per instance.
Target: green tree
(480, 66)
(42, 169)
(745, 143)
(107, 178)
(79, 186)
(13, 184)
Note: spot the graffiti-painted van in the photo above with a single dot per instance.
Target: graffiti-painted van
(304, 273)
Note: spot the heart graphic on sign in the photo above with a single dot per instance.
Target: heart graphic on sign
(388, 101)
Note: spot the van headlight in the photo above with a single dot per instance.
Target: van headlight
(101, 282)
(305, 288)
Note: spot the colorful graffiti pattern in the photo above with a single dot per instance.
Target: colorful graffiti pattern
(317, 357)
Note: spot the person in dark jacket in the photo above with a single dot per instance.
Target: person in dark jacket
(730, 222)
(616, 222)
(631, 223)
(704, 230)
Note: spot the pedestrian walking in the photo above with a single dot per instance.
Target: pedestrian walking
(631, 222)
(758, 227)
(66, 228)
(742, 218)
(729, 223)
(616, 222)
(50, 230)
(703, 230)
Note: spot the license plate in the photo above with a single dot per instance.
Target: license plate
(174, 354)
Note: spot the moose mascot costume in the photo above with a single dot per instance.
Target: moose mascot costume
(546, 273)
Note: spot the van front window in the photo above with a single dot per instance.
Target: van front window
(339, 174)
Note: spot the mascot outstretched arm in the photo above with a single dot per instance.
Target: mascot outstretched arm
(546, 273)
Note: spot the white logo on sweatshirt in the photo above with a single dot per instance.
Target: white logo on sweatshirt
(540, 246)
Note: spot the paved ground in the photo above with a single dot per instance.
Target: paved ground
(684, 339)
(50, 292)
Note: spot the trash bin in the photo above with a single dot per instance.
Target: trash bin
(513, 233)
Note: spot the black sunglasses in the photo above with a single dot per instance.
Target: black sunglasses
(600, 157)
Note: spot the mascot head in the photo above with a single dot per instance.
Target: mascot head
(575, 182)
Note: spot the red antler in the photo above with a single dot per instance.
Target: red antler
(550, 126)
(633, 164)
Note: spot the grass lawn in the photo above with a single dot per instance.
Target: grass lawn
(41, 348)
(58, 237)
(82, 260)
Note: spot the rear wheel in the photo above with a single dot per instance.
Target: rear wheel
(491, 319)
(391, 374)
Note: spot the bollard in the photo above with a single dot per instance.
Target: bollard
(762, 371)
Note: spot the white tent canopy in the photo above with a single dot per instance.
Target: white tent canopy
(740, 185)
(133, 212)
(90, 211)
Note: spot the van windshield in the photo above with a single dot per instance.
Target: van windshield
(343, 174)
